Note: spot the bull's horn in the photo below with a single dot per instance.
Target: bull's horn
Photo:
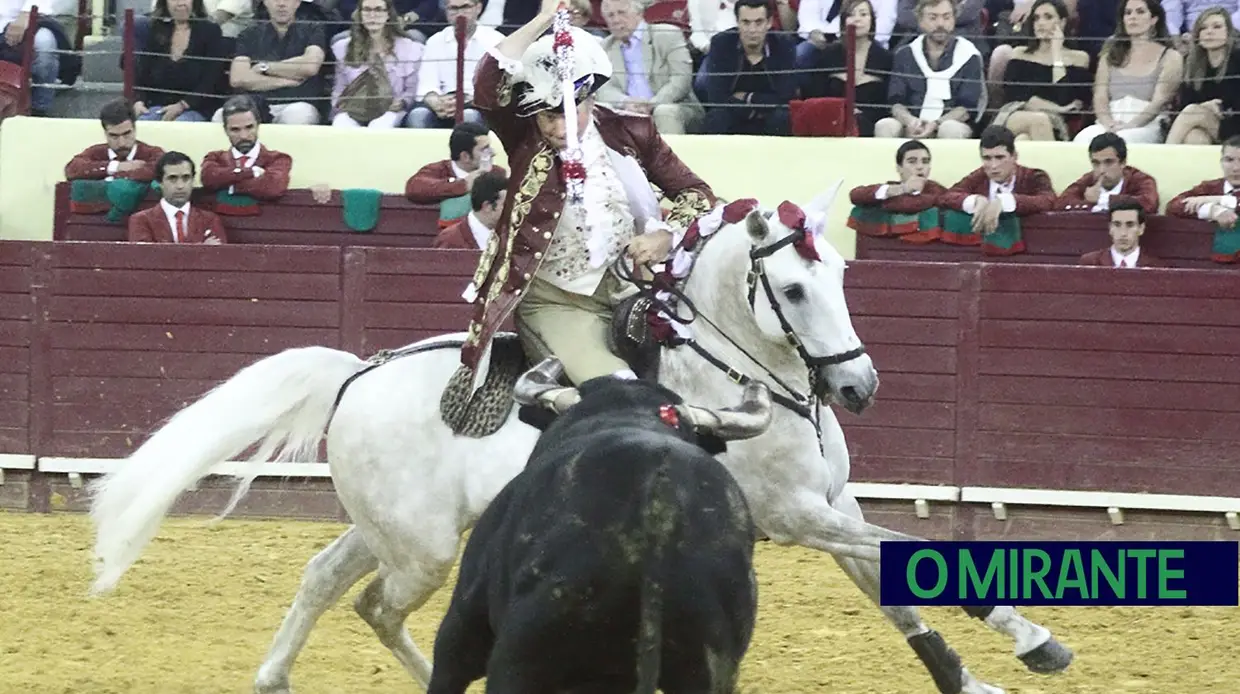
(540, 386)
(745, 421)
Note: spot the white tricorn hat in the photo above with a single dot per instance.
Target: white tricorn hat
(537, 86)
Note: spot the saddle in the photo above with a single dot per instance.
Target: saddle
(631, 338)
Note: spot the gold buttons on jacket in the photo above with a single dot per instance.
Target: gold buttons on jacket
(556, 215)
(546, 234)
(537, 256)
(526, 276)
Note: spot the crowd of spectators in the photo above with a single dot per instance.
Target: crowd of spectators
(1146, 70)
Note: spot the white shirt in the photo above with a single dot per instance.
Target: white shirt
(437, 73)
(114, 161)
(1228, 201)
(884, 189)
(493, 15)
(171, 213)
(478, 229)
(998, 191)
(1104, 197)
(246, 161)
(812, 14)
(1130, 260)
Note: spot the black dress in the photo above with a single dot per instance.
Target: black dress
(161, 81)
(1025, 79)
(1226, 90)
(832, 71)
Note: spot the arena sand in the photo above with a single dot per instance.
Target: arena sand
(197, 613)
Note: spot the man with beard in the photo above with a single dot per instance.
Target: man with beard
(248, 171)
(174, 219)
(936, 87)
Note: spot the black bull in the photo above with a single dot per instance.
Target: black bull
(620, 559)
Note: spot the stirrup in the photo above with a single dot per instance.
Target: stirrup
(540, 386)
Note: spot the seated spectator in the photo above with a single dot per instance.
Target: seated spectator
(968, 22)
(174, 219)
(413, 16)
(580, 12)
(45, 66)
(376, 69)
(1044, 81)
(821, 24)
(1183, 14)
(1137, 76)
(749, 79)
(1210, 93)
(486, 198)
(436, 106)
(247, 172)
(183, 64)
(709, 17)
(278, 64)
(1011, 22)
(936, 87)
(907, 207)
(1215, 201)
(1111, 176)
(652, 70)
(873, 67)
(985, 207)
(448, 183)
(121, 156)
(1126, 227)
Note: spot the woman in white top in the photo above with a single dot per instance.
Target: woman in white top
(1138, 76)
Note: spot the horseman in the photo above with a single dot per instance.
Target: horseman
(579, 199)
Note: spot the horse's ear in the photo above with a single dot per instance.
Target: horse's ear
(755, 224)
(817, 210)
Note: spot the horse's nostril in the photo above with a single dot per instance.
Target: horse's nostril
(850, 394)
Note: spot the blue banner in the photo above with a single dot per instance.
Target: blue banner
(1094, 574)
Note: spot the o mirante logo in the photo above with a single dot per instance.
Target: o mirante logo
(1060, 573)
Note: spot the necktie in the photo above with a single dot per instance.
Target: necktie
(1123, 263)
(179, 233)
(834, 11)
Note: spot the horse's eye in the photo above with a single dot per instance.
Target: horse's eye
(795, 293)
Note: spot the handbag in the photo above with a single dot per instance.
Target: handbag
(369, 95)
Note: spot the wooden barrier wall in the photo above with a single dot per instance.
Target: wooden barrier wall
(993, 375)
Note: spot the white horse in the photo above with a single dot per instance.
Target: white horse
(412, 487)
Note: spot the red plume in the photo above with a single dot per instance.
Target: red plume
(793, 217)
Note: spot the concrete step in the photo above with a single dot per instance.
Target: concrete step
(84, 99)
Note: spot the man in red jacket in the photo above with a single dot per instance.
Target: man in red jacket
(447, 183)
(121, 156)
(1111, 175)
(1215, 201)
(175, 219)
(486, 197)
(1127, 225)
(908, 207)
(247, 171)
(985, 207)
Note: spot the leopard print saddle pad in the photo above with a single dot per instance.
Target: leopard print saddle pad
(488, 409)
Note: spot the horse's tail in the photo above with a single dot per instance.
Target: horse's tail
(658, 525)
(282, 402)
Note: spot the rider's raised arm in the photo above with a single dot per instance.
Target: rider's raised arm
(496, 72)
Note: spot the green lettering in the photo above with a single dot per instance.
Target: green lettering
(911, 574)
(1013, 574)
(1032, 576)
(1165, 574)
(1098, 565)
(1072, 562)
(1142, 556)
(968, 575)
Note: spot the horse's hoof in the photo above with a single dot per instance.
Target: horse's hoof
(1049, 658)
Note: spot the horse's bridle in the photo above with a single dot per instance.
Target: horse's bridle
(796, 401)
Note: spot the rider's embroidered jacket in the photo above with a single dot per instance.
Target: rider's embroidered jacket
(536, 196)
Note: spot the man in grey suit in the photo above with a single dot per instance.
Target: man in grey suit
(652, 69)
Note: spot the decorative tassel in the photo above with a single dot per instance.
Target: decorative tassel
(572, 170)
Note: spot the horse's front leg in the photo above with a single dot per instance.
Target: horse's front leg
(1035, 646)
(813, 523)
